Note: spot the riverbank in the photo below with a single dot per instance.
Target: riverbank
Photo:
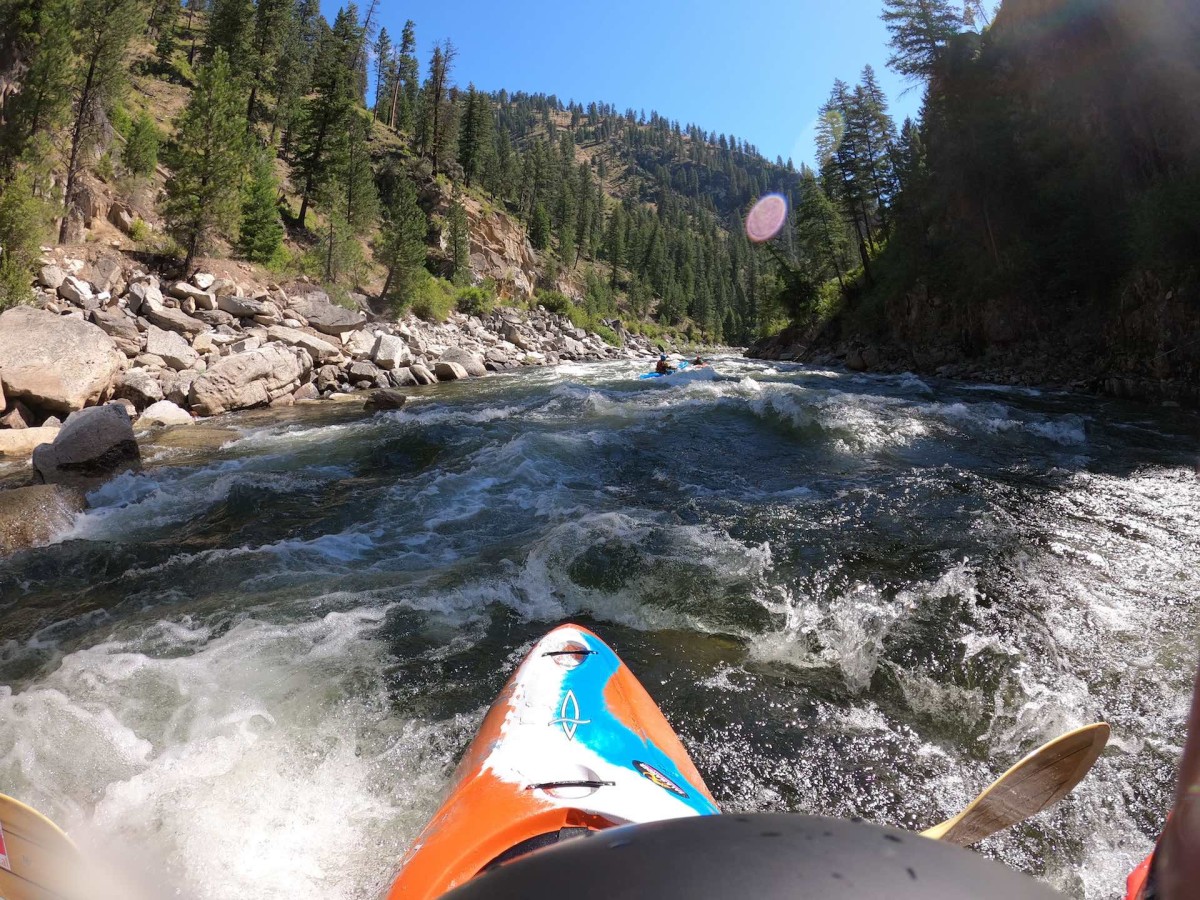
(1025, 366)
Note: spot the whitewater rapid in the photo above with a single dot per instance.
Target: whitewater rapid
(249, 669)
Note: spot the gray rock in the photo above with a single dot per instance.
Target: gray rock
(223, 287)
(402, 377)
(173, 349)
(307, 392)
(32, 516)
(172, 319)
(320, 350)
(164, 413)
(107, 274)
(77, 291)
(183, 290)
(449, 371)
(20, 416)
(178, 385)
(127, 405)
(216, 317)
(385, 398)
(150, 361)
(141, 293)
(51, 277)
(58, 363)
(362, 370)
(422, 374)
(139, 387)
(93, 444)
(242, 307)
(359, 344)
(203, 280)
(325, 316)
(122, 216)
(250, 379)
(472, 363)
(122, 329)
(328, 378)
(390, 352)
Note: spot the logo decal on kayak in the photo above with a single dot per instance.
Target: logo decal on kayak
(568, 716)
(648, 771)
(4, 863)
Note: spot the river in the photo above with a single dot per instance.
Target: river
(248, 670)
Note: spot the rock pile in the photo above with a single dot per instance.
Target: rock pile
(211, 345)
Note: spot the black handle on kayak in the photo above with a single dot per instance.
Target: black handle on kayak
(765, 856)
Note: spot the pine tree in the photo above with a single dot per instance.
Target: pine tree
(38, 33)
(207, 160)
(919, 30)
(435, 131)
(460, 243)
(260, 230)
(266, 38)
(408, 81)
(291, 77)
(822, 242)
(401, 246)
(104, 29)
(476, 142)
(24, 220)
(539, 228)
(327, 113)
(348, 197)
(383, 70)
(230, 28)
(140, 153)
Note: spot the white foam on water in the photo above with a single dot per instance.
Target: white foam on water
(265, 760)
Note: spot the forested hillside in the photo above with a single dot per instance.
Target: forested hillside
(1043, 215)
(263, 132)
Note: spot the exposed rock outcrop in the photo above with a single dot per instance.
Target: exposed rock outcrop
(250, 379)
(57, 363)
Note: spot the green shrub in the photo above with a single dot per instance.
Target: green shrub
(433, 298)
(140, 153)
(554, 302)
(139, 231)
(475, 301)
(24, 219)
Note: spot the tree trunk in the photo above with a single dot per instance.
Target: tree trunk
(85, 101)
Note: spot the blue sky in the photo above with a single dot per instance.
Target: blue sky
(758, 70)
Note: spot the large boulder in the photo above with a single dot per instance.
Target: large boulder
(359, 344)
(422, 374)
(242, 307)
(51, 277)
(449, 371)
(385, 398)
(139, 387)
(172, 348)
(58, 363)
(471, 362)
(91, 445)
(326, 316)
(77, 291)
(320, 350)
(122, 329)
(172, 319)
(250, 379)
(22, 441)
(32, 516)
(391, 352)
(164, 412)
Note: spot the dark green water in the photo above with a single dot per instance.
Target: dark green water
(249, 670)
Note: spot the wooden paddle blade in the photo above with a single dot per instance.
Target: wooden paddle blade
(1038, 781)
(37, 859)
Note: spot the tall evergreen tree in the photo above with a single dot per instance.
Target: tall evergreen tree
(260, 230)
(383, 69)
(140, 153)
(268, 31)
(292, 75)
(206, 161)
(408, 81)
(327, 113)
(38, 34)
(435, 134)
(401, 246)
(460, 243)
(476, 141)
(919, 30)
(230, 28)
(104, 29)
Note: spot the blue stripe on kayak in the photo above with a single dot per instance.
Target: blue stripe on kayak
(683, 365)
(611, 739)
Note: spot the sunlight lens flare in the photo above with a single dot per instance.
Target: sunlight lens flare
(766, 218)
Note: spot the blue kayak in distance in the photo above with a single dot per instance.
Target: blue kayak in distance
(683, 365)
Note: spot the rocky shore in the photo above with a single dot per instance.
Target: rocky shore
(106, 348)
(1027, 366)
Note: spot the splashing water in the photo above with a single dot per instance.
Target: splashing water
(249, 670)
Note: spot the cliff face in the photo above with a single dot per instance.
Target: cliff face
(1057, 228)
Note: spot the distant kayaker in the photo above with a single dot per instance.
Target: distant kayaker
(699, 361)
(663, 367)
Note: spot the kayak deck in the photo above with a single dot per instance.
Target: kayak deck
(573, 741)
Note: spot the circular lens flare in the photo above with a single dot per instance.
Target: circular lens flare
(766, 217)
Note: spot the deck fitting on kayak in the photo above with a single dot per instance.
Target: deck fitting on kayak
(553, 785)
